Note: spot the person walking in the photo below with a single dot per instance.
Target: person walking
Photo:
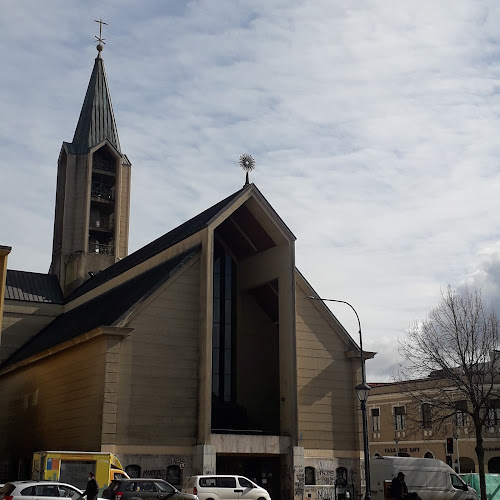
(399, 490)
(92, 488)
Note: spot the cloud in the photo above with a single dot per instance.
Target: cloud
(485, 275)
(373, 127)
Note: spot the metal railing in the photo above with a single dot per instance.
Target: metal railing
(103, 192)
(102, 249)
(102, 223)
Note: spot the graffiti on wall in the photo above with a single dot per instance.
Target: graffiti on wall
(171, 473)
(325, 473)
(326, 493)
(298, 480)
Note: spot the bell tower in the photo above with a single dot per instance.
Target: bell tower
(93, 190)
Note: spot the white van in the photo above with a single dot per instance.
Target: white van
(429, 478)
(227, 487)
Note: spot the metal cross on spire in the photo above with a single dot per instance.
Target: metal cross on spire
(99, 38)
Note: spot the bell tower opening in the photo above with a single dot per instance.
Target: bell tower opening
(102, 203)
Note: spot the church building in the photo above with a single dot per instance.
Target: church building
(199, 353)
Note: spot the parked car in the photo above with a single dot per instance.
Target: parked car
(144, 489)
(33, 490)
(225, 487)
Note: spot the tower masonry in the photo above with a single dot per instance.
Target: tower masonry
(91, 221)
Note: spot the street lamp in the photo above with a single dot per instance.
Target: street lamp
(362, 391)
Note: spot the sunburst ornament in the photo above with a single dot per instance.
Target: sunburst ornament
(247, 163)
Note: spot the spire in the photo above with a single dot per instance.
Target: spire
(97, 121)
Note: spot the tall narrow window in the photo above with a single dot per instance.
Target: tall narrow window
(426, 416)
(341, 473)
(461, 413)
(399, 418)
(493, 417)
(223, 326)
(309, 475)
(375, 412)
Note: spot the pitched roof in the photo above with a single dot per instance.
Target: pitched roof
(33, 287)
(97, 121)
(174, 236)
(104, 310)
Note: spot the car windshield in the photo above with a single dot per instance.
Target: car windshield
(457, 481)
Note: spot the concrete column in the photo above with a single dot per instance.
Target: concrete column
(4, 252)
(292, 475)
(204, 459)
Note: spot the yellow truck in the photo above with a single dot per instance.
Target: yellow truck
(73, 467)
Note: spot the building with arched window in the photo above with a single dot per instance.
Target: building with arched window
(400, 426)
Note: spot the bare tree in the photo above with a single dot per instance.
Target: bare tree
(451, 362)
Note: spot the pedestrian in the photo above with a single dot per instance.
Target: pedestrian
(92, 488)
(399, 490)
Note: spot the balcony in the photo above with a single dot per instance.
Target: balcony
(101, 248)
(101, 192)
(102, 224)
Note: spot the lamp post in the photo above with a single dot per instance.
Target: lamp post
(362, 391)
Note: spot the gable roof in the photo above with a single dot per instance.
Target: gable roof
(169, 239)
(104, 310)
(33, 287)
(97, 120)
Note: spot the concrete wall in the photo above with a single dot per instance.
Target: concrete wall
(56, 402)
(124, 214)
(328, 409)
(276, 263)
(326, 379)
(158, 374)
(257, 360)
(4, 252)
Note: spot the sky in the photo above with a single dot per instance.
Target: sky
(373, 125)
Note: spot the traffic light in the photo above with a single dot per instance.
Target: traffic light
(449, 446)
(449, 460)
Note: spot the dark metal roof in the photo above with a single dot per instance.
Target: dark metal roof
(97, 121)
(33, 287)
(174, 236)
(104, 310)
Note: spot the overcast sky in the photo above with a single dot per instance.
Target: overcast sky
(374, 126)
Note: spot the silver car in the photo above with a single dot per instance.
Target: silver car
(35, 490)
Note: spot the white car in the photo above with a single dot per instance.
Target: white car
(226, 487)
(34, 490)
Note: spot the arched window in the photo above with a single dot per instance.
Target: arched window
(428, 455)
(467, 465)
(494, 465)
(310, 475)
(341, 476)
(133, 470)
(174, 475)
